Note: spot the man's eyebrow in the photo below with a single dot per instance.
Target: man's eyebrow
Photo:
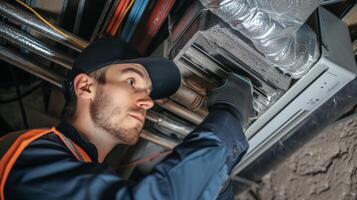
(127, 70)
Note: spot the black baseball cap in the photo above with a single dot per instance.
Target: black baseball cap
(164, 74)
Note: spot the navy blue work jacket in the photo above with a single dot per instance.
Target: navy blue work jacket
(197, 168)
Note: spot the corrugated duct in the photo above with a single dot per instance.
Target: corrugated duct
(276, 27)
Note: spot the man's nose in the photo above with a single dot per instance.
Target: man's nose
(145, 103)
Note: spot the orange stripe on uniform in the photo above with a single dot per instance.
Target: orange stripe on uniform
(8, 160)
(22, 141)
(84, 155)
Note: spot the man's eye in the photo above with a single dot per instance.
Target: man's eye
(131, 82)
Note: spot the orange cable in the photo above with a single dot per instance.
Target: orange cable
(77, 42)
(128, 6)
(116, 15)
(120, 9)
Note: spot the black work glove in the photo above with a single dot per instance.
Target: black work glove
(230, 106)
(237, 93)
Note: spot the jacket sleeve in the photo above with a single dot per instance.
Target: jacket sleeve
(195, 170)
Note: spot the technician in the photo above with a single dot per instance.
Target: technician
(113, 88)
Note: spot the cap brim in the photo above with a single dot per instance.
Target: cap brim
(164, 74)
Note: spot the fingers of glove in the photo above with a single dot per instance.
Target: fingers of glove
(236, 90)
(253, 113)
(234, 84)
(241, 81)
(219, 88)
(239, 77)
(233, 79)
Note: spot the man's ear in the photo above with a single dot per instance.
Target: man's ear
(84, 86)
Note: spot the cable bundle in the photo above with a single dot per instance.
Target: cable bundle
(118, 17)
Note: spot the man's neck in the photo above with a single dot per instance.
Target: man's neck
(95, 135)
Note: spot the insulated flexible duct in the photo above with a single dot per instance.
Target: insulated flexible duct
(31, 43)
(276, 27)
(9, 11)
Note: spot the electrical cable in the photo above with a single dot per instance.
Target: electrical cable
(151, 25)
(77, 42)
(115, 16)
(133, 19)
(121, 11)
(121, 19)
(29, 91)
(147, 158)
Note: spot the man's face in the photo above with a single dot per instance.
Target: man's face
(120, 104)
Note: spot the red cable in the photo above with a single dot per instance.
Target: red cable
(121, 17)
(116, 15)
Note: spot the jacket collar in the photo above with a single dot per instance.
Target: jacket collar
(69, 131)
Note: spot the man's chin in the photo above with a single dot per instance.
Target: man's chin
(132, 138)
(132, 141)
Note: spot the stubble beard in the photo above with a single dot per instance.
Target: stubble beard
(101, 110)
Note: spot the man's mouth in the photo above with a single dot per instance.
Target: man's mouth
(138, 117)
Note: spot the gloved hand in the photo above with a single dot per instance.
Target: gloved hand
(237, 93)
(229, 105)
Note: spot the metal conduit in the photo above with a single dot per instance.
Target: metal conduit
(27, 65)
(30, 43)
(157, 140)
(181, 111)
(164, 121)
(190, 99)
(33, 22)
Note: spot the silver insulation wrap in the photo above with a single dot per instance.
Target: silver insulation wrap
(29, 42)
(276, 29)
(11, 12)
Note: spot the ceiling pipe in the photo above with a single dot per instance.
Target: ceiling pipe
(147, 135)
(191, 100)
(26, 64)
(32, 44)
(25, 18)
(166, 122)
(180, 111)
